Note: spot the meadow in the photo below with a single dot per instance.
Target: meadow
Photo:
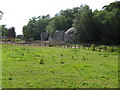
(56, 67)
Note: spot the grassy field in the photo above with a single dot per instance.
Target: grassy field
(52, 67)
(0, 66)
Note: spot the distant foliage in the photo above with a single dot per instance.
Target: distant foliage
(86, 30)
(101, 27)
(8, 32)
(11, 32)
(35, 27)
(57, 23)
(98, 26)
(4, 30)
(1, 14)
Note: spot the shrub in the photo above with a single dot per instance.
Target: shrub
(42, 60)
(93, 47)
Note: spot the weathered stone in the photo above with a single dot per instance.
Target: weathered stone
(69, 35)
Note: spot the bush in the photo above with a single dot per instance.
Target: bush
(42, 60)
(93, 47)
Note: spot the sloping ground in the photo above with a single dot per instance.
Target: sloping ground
(52, 67)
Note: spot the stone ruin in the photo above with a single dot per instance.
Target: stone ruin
(59, 35)
(69, 35)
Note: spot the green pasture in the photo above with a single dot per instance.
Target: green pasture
(56, 67)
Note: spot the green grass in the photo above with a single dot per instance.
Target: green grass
(55, 67)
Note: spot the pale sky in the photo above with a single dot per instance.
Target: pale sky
(18, 12)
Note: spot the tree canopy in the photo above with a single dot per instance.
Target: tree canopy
(1, 14)
(11, 32)
(35, 27)
(91, 26)
(98, 26)
(57, 23)
(86, 30)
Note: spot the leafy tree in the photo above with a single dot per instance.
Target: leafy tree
(35, 27)
(1, 14)
(4, 30)
(111, 6)
(99, 17)
(57, 23)
(86, 30)
(26, 33)
(69, 14)
(112, 23)
(62, 20)
(11, 32)
(107, 21)
(100, 27)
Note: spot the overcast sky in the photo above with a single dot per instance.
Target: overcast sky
(18, 12)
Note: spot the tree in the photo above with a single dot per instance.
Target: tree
(112, 23)
(99, 17)
(4, 30)
(57, 23)
(100, 27)
(69, 14)
(86, 29)
(1, 14)
(108, 21)
(111, 6)
(11, 33)
(35, 27)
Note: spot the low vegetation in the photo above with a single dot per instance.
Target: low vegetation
(56, 67)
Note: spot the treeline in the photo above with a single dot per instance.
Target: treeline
(99, 27)
(91, 26)
(7, 32)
